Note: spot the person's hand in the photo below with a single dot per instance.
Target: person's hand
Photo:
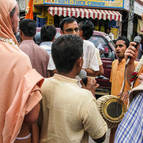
(131, 52)
(125, 98)
(140, 77)
(91, 84)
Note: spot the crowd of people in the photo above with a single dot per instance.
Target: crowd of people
(43, 97)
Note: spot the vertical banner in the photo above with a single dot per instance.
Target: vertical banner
(29, 10)
(50, 19)
(115, 31)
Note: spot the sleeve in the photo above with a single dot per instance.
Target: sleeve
(34, 99)
(93, 59)
(99, 58)
(130, 129)
(111, 74)
(93, 122)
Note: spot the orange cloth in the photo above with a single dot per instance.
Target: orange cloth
(17, 80)
(117, 77)
(137, 81)
(29, 14)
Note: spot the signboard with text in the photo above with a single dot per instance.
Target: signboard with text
(38, 1)
(126, 5)
(87, 3)
(138, 7)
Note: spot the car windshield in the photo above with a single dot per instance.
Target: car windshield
(109, 40)
(102, 43)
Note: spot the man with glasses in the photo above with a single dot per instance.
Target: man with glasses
(117, 72)
(70, 26)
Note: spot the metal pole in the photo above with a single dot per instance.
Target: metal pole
(130, 20)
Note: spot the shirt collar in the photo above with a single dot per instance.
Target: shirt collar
(65, 78)
(122, 62)
(28, 41)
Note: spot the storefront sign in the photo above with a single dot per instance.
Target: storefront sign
(88, 3)
(126, 5)
(140, 27)
(138, 8)
(38, 1)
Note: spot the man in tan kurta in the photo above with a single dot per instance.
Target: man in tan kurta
(70, 113)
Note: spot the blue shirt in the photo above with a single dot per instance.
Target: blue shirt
(130, 130)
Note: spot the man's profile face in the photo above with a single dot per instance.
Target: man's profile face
(71, 28)
(15, 20)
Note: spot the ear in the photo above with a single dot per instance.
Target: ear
(78, 65)
(80, 62)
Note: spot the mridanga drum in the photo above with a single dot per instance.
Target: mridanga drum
(112, 109)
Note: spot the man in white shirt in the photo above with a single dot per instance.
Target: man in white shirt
(111, 35)
(90, 63)
(86, 29)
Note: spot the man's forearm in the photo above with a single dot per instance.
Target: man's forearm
(130, 70)
(91, 72)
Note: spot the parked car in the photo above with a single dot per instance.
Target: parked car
(37, 36)
(107, 51)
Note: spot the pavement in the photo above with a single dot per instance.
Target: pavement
(106, 140)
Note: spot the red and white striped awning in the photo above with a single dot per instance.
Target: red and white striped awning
(83, 12)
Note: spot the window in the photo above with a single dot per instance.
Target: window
(102, 44)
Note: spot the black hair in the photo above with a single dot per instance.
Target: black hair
(12, 12)
(66, 20)
(124, 38)
(87, 28)
(47, 33)
(66, 49)
(28, 27)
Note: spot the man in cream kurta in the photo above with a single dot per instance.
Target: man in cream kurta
(70, 112)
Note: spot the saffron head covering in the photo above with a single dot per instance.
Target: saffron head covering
(6, 7)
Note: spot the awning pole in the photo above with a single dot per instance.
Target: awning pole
(130, 20)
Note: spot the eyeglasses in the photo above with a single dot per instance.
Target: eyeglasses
(120, 45)
(70, 30)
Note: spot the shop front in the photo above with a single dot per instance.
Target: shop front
(103, 13)
(138, 10)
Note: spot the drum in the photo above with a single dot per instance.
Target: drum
(112, 109)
